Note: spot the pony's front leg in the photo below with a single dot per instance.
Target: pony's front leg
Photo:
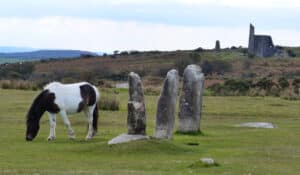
(52, 122)
(89, 116)
(67, 122)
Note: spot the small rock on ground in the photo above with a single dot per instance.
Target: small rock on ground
(257, 125)
(124, 138)
(208, 161)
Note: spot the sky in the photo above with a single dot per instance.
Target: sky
(105, 26)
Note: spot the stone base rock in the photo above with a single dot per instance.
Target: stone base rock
(124, 138)
(257, 125)
(208, 161)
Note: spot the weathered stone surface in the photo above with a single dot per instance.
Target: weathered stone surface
(136, 120)
(257, 125)
(124, 138)
(191, 99)
(166, 107)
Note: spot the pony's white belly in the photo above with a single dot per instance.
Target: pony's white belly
(70, 104)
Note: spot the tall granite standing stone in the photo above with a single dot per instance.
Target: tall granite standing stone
(191, 100)
(166, 107)
(136, 119)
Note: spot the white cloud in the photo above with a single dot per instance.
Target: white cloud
(107, 35)
(234, 3)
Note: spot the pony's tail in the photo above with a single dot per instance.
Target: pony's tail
(95, 118)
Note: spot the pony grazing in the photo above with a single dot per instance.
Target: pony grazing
(63, 99)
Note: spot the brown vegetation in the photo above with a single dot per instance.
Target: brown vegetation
(152, 67)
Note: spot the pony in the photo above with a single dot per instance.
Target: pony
(63, 99)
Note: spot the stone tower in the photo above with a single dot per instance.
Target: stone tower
(251, 41)
(260, 45)
(218, 45)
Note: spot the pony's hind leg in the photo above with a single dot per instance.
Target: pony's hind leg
(52, 122)
(89, 116)
(67, 122)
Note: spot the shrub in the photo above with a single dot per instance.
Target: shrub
(207, 67)
(274, 91)
(182, 63)
(241, 86)
(291, 53)
(151, 91)
(264, 83)
(289, 95)
(231, 87)
(247, 63)
(283, 83)
(18, 84)
(199, 49)
(217, 89)
(107, 103)
(296, 85)
(195, 57)
(215, 66)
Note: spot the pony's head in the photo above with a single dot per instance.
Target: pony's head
(43, 102)
(34, 115)
(33, 127)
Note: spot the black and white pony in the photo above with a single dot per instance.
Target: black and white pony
(63, 99)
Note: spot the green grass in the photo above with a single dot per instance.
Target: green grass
(239, 151)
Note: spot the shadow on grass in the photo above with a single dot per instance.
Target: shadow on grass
(199, 165)
(193, 133)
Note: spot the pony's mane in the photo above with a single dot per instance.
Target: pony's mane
(36, 105)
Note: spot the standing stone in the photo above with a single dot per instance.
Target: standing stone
(166, 107)
(191, 100)
(136, 120)
(218, 45)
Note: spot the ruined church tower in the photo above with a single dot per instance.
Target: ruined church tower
(260, 45)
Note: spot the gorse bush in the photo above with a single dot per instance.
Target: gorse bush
(231, 87)
(18, 84)
(264, 83)
(215, 66)
(296, 85)
(238, 85)
(261, 87)
(151, 91)
(109, 103)
(283, 83)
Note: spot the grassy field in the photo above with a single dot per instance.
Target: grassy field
(238, 151)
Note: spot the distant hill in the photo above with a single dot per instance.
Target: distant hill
(12, 49)
(46, 54)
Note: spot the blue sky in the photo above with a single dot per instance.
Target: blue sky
(145, 25)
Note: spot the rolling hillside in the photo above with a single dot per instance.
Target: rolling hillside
(45, 54)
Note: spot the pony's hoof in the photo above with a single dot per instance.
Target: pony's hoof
(72, 137)
(51, 138)
(88, 138)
